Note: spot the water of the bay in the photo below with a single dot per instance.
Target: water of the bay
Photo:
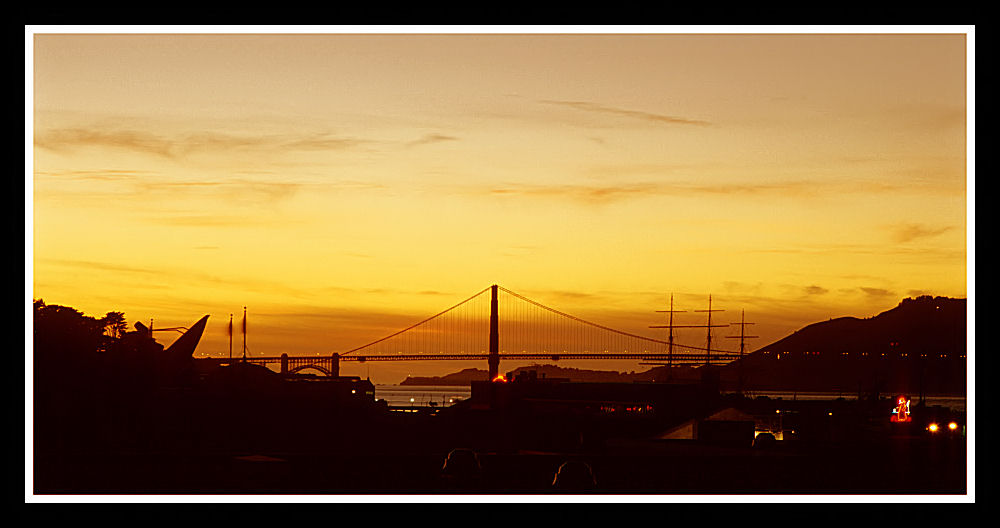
(955, 403)
(422, 395)
(444, 396)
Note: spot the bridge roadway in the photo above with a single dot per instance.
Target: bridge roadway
(292, 363)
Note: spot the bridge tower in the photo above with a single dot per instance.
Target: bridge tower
(494, 356)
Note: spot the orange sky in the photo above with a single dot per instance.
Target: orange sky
(343, 186)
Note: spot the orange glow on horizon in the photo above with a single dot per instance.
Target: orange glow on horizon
(347, 186)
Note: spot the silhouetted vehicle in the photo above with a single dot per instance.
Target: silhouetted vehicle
(574, 475)
(764, 441)
(461, 470)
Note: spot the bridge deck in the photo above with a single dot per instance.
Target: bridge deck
(555, 356)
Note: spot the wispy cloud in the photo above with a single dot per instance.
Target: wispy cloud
(203, 220)
(563, 296)
(877, 292)
(261, 187)
(606, 193)
(814, 290)
(177, 145)
(587, 106)
(99, 266)
(903, 233)
(103, 175)
(585, 193)
(431, 138)
(267, 191)
(165, 275)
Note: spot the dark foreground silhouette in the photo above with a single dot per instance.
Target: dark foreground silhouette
(117, 413)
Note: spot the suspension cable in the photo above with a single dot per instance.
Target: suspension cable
(411, 327)
(577, 319)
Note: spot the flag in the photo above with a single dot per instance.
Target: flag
(244, 321)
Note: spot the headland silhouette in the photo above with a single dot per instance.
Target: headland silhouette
(117, 412)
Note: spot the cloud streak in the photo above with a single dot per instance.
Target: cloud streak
(431, 138)
(586, 106)
(104, 175)
(904, 233)
(266, 191)
(176, 146)
(603, 193)
(877, 292)
(814, 290)
(612, 193)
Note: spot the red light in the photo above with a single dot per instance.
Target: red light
(901, 413)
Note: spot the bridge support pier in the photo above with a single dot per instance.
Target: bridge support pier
(335, 365)
(494, 357)
(284, 364)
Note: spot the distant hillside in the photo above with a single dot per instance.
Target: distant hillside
(922, 325)
(656, 374)
(463, 377)
(918, 345)
(468, 375)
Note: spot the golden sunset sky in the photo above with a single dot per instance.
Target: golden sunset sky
(344, 185)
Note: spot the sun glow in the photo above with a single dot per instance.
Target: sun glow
(343, 186)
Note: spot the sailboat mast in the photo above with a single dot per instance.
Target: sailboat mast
(244, 333)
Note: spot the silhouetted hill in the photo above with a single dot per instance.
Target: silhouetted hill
(919, 345)
(464, 377)
(922, 325)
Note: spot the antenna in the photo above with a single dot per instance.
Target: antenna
(244, 333)
(709, 326)
(180, 329)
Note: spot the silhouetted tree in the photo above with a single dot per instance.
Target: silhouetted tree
(67, 374)
(65, 340)
(114, 324)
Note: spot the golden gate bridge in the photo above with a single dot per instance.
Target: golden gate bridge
(498, 324)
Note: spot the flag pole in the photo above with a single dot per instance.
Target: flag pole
(230, 336)
(244, 333)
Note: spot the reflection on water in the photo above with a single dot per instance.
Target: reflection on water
(421, 396)
(444, 396)
(955, 403)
